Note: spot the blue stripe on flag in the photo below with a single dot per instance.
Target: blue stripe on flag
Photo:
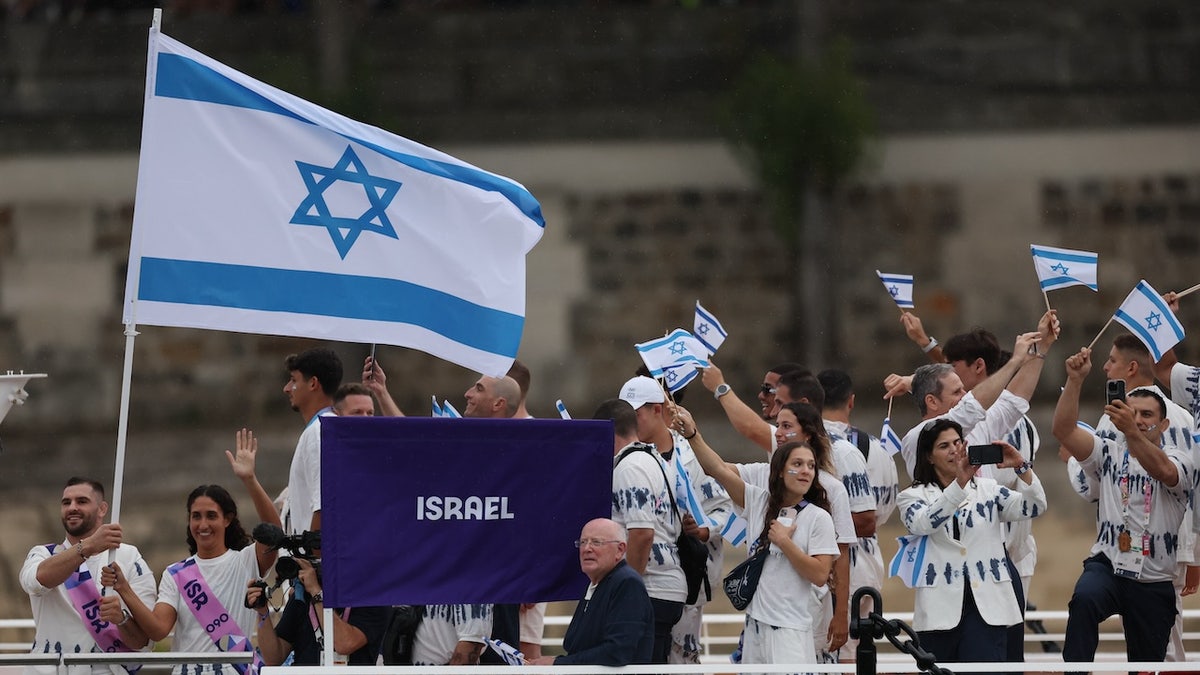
(1068, 257)
(335, 295)
(183, 78)
(1056, 282)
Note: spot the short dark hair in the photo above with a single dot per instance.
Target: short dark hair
(93, 483)
(789, 367)
(350, 389)
(923, 471)
(320, 362)
(623, 416)
(1133, 349)
(1149, 393)
(977, 344)
(520, 372)
(838, 387)
(803, 385)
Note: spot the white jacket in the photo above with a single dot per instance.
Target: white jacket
(978, 554)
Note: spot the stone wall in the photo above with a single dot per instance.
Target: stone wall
(652, 72)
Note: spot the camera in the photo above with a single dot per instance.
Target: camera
(1114, 390)
(991, 453)
(301, 546)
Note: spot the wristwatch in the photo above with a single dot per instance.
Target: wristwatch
(318, 597)
(127, 616)
(721, 390)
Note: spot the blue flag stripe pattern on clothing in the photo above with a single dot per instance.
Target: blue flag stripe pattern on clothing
(182, 78)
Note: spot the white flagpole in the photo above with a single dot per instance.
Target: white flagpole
(1193, 289)
(130, 337)
(1110, 320)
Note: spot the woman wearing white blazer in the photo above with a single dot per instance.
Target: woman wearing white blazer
(964, 594)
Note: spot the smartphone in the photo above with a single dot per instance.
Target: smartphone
(787, 516)
(991, 453)
(1114, 390)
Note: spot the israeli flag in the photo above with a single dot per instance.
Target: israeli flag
(1147, 316)
(900, 287)
(687, 496)
(909, 560)
(437, 409)
(679, 351)
(1063, 267)
(678, 375)
(888, 438)
(735, 528)
(562, 409)
(708, 330)
(449, 410)
(260, 212)
(511, 655)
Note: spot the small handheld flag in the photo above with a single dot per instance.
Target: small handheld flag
(511, 655)
(1064, 267)
(449, 410)
(437, 409)
(708, 330)
(1147, 316)
(562, 409)
(674, 358)
(909, 560)
(888, 438)
(900, 287)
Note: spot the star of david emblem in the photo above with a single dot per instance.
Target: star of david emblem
(1154, 321)
(894, 290)
(344, 231)
(703, 329)
(677, 347)
(1060, 268)
(672, 376)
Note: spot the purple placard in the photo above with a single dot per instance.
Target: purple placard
(419, 510)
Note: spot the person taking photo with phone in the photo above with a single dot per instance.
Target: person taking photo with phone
(965, 599)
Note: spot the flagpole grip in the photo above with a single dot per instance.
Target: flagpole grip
(1046, 297)
(156, 20)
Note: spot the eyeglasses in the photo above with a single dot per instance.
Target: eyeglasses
(595, 543)
(768, 389)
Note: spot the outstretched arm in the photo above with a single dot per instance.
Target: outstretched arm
(916, 332)
(1077, 441)
(723, 472)
(743, 418)
(242, 461)
(375, 379)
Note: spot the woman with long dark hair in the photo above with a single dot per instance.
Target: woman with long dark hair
(786, 509)
(964, 593)
(223, 561)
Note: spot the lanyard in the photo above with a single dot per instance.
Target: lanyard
(1146, 494)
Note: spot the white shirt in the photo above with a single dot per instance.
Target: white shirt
(839, 504)
(58, 627)
(1108, 463)
(640, 501)
(783, 596)
(442, 627)
(227, 576)
(304, 478)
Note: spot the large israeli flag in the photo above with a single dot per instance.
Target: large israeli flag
(1063, 267)
(260, 212)
(1147, 316)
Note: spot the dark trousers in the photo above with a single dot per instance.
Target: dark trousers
(1147, 612)
(1016, 633)
(666, 615)
(972, 640)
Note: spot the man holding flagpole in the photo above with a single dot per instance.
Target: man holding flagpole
(63, 583)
